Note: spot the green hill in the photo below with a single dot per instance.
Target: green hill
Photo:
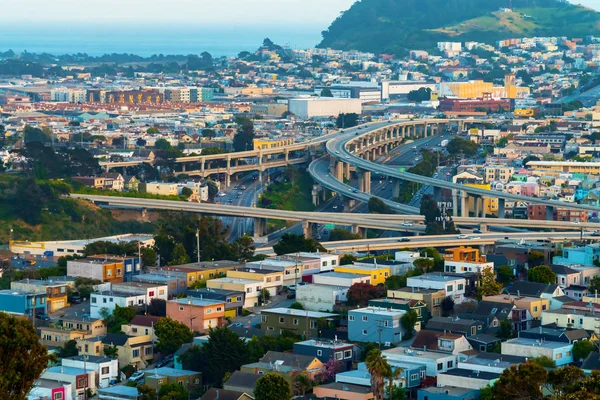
(397, 26)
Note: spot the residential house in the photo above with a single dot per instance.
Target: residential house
(79, 379)
(534, 305)
(484, 342)
(340, 279)
(565, 276)
(285, 364)
(242, 382)
(56, 293)
(378, 274)
(577, 292)
(462, 260)
(251, 281)
(396, 267)
(441, 341)
(156, 377)
(46, 389)
(344, 353)
(411, 376)
(318, 297)
(132, 350)
(453, 286)
(538, 290)
(374, 324)
(494, 312)
(301, 322)
(141, 325)
(591, 363)
(194, 272)
(491, 362)
(175, 284)
(585, 255)
(343, 391)
(558, 335)
(435, 362)
(561, 353)
(466, 327)
(234, 300)
(447, 393)
(109, 300)
(71, 328)
(149, 290)
(23, 303)
(222, 394)
(571, 318)
(199, 314)
(468, 379)
(431, 297)
(113, 181)
(418, 306)
(106, 268)
(106, 369)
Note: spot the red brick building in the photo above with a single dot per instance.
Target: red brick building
(471, 105)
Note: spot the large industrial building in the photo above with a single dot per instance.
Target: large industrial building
(311, 107)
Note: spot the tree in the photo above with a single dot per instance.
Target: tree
(69, 349)
(424, 263)
(360, 293)
(488, 286)
(594, 285)
(111, 351)
(535, 258)
(462, 146)
(22, 357)
(582, 348)
(171, 335)
(265, 295)
(326, 93)
(301, 383)
(140, 142)
(505, 274)
(347, 120)
(244, 138)
(162, 144)
(393, 375)
(377, 206)
(398, 393)
(337, 234)
(272, 386)
(290, 243)
(187, 192)
(524, 381)
(152, 130)
(433, 217)
(422, 94)
(125, 314)
(180, 255)
(30, 199)
(244, 247)
(172, 391)
(541, 274)
(157, 307)
(296, 306)
(348, 259)
(378, 368)
(530, 158)
(408, 322)
(566, 380)
(447, 306)
(224, 352)
(146, 392)
(505, 330)
(209, 133)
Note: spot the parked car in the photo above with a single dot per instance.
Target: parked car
(164, 362)
(136, 376)
(42, 317)
(291, 295)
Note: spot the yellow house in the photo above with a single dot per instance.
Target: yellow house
(56, 293)
(131, 350)
(490, 204)
(264, 144)
(534, 305)
(378, 274)
(194, 272)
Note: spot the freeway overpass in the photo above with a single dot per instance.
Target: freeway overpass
(359, 148)
(418, 242)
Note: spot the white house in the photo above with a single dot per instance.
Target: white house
(468, 379)
(107, 369)
(454, 286)
(320, 297)
(78, 378)
(561, 353)
(341, 279)
(149, 290)
(110, 300)
(327, 261)
(435, 362)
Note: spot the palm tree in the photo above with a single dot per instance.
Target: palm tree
(302, 383)
(393, 374)
(379, 368)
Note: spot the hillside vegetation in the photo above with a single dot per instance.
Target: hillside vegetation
(397, 26)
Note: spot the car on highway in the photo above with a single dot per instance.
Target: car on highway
(406, 223)
(335, 207)
(357, 133)
(348, 157)
(337, 152)
(243, 187)
(235, 188)
(474, 238)
(462, 237)
(477, 231)
(354, 190)
(136, 376)
(404, 239)
(596, 233)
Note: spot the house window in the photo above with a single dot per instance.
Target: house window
(461, 286)
(281, 320)
(249, 290)
(414, 377)
(105, 370)
(94, 300)
(104, 300)
(228, 300)
(295, 321)
(365, 318)
(146, 331)
(559, 356)
(347, 353)
(440, 366)
(364, 332)
(160, 381)
(151, 293)
(196, 381)
(449, 288)
(313, 324)
(208, 311)
(473, 330)
(568, 354)
(58, 396)
(333, 263)
(135, 353)
(180, 308)
(450, 364)
(339, 355)
(264, 318)
(148, 350)
(386, 324)
(319, 352)
(350, 317)
(270, 328)
(219, 309)
(535, 308)
(118, 271)
(80, 382)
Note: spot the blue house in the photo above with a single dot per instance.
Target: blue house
(22, 303)
(374, 324)
(585, 255)
(132, 266)
(447, 393)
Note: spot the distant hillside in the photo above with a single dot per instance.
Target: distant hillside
(397, 26)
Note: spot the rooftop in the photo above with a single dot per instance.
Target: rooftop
(379, 311)
(299, 313)
(168, 371)
(448, 390)
(436, 278)
(537, 343)
(331, 344)
(341, 275)
(467, 373)
(195, 301)
(407, 352)
(347, 387)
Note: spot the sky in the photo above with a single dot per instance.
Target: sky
(206, 12)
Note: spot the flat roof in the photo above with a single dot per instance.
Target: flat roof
(379, 311)
(436, 277)
(195, 301)
(405, 351)
(299, 313)
(39, 282)
(468, 373)
(342, 275)
(538, 343)
(241, 281)
(116, 294)
(450, 390)
(362, 267)
(324, 343)
(168, 371)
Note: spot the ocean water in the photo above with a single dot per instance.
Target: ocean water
(146, 40)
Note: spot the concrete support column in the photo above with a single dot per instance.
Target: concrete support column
(426, 130)
(260, 158)
(202, 166)
(367, 181)
(260, 176)
(307, 229)
(362, 232)
(339, 171)
(482, 207)
(437, 193)
(183, 167)
(227, 180)
(483, 227)
(287, 156)
(464, 209)
(501, 208)
(476, 209)
(228, 160)
(260, 227)
(315, 195)
(549, 213)
(454, 202)
(346, 171)
(395, 188)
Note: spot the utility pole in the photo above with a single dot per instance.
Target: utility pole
(198, 243)
(379, 328)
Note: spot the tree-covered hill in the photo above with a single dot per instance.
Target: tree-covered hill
(397, 26)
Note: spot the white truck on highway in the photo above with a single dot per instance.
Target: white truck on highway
(444, 143)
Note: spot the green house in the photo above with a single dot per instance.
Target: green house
(404, 304)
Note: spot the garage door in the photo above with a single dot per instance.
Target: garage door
(57, 305)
